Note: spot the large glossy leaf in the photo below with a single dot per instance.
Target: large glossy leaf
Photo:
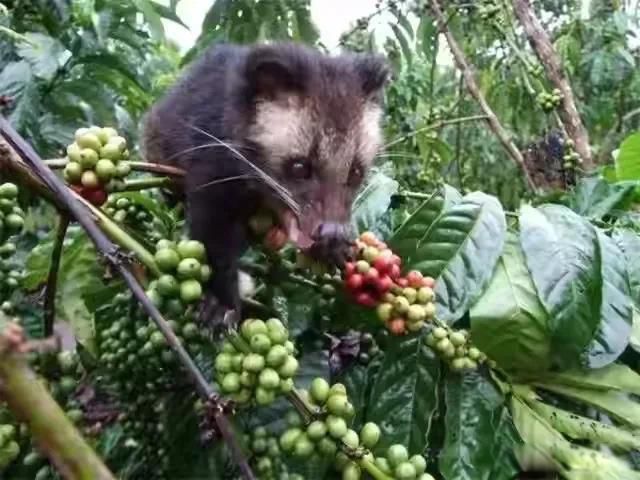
(404, 397)
(616, 377)
(594, 197)
(373, 201)
(617, 404)
(460, 251)
(44, 53)
(551, 448)
(508, 322)
(629, 242)
(479, 441)
(628, 159)
(564, 257)
(578, 427)
(616, 310)
(18, 83)
(152, 17)
(407, 238)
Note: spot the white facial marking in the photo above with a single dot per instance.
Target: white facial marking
(370, 132)
(283, 129)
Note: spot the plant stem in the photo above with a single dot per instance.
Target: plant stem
(542, 46)
(114, 256)
(56, 436)
(416, 195)
(167, 170)
(157, 168)
(437, 125)
(146, 183)
(52, 280)
(121, 237)
(492, 120)
(373, 470)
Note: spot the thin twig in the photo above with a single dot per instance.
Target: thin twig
(492, 120)
(114, 256)
(435, 126)
(145, 183)
(52, 279)
(59, 163)
(542, 46)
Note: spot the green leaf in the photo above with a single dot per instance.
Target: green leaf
(617, 404)
(373, 201)
(479, 439)
(407, 52)
(561, 251)
(152, 17)
(615, 377)
(616, 310)
(628, 160)
(79, 273)
(295, 307)
(596, 198)
(460, 251)
(634, 341)
(407, 238)
(578, 427)
(113, 63)
(508, 322)
(553, 450)
(404, 397)
(45, 54)
(629, 242)
(17, 82)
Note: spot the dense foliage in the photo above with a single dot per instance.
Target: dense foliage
(475, 336)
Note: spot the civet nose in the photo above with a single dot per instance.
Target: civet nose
(331, 230)
(332, 242)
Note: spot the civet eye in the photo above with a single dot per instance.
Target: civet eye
(299, 169)
(355, 174)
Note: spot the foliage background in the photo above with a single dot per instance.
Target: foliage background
(69, 63)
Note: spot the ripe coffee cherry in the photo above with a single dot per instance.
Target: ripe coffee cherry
(397, 326)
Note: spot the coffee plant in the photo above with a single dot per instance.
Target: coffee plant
(482, 329)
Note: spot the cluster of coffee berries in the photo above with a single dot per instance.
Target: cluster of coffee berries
(10, 276)
(364, 442)
(134, 351)
(454, 347)
(330, 424)
(549, 101)
(406, 309)
(96, 163)
(265, 456)
(399, 465)
(134, 215)
(404, 303)
(144, 426)
(9, 445)
(183, 270)
(11, 215)
(535, 70)
(570, 158)
(265, 228)
(258, 364)
(488, 10)
(373, 273)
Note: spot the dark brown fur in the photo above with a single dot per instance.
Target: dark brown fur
(280, 106)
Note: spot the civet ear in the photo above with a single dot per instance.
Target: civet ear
(272, 70)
